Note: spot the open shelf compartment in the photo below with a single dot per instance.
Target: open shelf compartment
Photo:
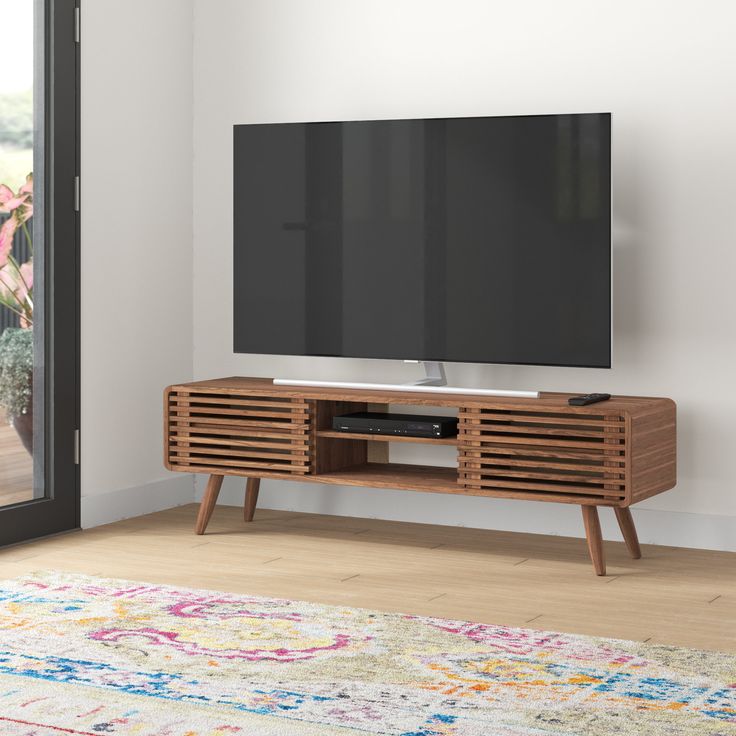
(435, 479)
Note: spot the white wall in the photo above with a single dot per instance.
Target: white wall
(665, 70)
(136, 260)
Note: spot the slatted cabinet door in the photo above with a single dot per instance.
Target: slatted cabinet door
(567, 456)
(230, 433)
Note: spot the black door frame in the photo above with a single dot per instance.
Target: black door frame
(56, 234)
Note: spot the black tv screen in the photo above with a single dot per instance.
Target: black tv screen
(482, 240)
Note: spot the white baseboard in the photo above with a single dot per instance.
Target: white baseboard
(670, 528)
(105, 508)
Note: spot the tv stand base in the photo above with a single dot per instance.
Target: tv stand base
(613, 454)
(434, 381)
(434, 373)
(421, 388)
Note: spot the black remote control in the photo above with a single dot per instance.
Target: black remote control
(588, 399)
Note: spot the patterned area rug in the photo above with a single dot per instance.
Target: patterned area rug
(81, 655)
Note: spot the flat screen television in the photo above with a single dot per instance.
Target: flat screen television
(479, 240)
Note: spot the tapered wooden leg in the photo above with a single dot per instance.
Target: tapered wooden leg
(594, 537)
(208, 502)
(626, 522)
(251, 498)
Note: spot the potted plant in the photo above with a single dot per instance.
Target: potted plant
(16, 294)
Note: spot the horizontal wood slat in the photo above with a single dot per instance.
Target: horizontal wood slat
(540, 441)
(527, 428)
(533, 463)
(541, 451)
(544, 474)
(243, 463)
(526, 485)
(594, 454)
(300, 444)
(205, 400)
(228, 452)
(237, 434)
(243, 433)
(534, 475)
(188, 465)
(551, 418)
(221, 411)
(288, 425)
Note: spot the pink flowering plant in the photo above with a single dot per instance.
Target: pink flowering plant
(16, 280)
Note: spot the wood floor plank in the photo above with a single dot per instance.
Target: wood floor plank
(16, 466)
(675, 596)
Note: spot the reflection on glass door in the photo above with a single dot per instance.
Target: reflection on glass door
(17, 483)
(39, 268)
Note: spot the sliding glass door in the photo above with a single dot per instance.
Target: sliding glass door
(39, 266)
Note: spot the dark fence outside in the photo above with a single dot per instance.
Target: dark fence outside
(21, 253)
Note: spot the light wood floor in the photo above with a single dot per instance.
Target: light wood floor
(16, 466)
(673, 596)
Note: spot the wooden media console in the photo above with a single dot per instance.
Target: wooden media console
(614, 453)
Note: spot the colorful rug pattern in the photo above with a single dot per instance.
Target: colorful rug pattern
(89, 656)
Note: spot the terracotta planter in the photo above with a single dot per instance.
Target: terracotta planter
(16, 381)
(23, 425)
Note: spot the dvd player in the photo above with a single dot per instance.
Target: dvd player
(406, 425)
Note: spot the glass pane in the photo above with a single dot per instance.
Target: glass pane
(17, 59)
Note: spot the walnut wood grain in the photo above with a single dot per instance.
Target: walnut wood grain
(594, 538)
(252, 486)
(540, 450)
(652, 438)
(208, 502)
(237, 433)
(626, 524)
(330, 453)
